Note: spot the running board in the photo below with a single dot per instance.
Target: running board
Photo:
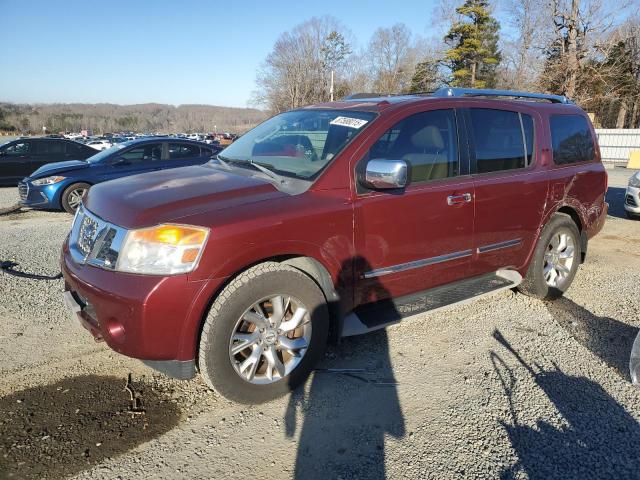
(381, 314)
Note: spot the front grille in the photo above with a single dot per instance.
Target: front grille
(629, 200)
(95, 241)
(23, 191)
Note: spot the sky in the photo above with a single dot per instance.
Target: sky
(175, 52)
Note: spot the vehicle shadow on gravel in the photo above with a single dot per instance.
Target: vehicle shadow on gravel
(598, 438)
(59, 430)
(349, 407)
(607, 338)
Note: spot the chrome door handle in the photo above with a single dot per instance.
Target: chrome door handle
(458, 199)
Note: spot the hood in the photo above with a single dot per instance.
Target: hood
(59, 167)
(168, 195)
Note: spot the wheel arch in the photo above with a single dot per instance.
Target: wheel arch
(575, 216)
(310, 266)
(62, 191)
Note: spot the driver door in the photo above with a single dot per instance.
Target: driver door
(419, 237)
(138, 159)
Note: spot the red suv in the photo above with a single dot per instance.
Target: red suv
(332, 220)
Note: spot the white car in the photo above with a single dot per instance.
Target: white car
(632, 197)
(99, 144)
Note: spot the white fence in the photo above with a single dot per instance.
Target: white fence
(616, 144)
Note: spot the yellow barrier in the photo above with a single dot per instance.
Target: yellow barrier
(634, 159)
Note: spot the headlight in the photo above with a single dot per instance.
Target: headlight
(48, 180)
(635, 180)
(162, 250)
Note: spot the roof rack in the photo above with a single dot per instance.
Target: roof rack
(487, 92)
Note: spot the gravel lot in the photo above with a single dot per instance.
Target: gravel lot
(507, 387)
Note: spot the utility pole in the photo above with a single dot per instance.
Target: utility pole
(331, 87)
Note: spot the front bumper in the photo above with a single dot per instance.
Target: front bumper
(38, 196)
(151, 318)
(632, 200)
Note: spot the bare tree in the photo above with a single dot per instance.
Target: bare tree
(296, 72)
(392, 56)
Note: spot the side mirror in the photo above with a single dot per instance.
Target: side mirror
(384, 174)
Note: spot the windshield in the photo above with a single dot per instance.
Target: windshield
(298, 143)
(98, 157)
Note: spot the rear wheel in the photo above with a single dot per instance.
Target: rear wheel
(264, 334)
(555, 260)
(72, 196)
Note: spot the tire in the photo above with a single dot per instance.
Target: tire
(69, 196)
(632, 216)
(221, 369)
(536, 284)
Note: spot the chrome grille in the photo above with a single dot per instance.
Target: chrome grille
(95, 241)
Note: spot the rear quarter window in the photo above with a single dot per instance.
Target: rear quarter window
(571, 139)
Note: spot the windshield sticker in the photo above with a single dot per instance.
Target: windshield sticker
(349, 122)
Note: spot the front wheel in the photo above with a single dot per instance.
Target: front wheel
(555, 260)
(72, 196)
(264, 334)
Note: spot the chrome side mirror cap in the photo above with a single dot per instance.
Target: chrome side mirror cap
(385, 174)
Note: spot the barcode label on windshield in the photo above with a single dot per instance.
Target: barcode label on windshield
(349, 122)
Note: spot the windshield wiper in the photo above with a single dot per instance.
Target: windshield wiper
(270, 173)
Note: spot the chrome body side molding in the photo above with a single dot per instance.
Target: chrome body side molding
(497, 246)
(379, 272)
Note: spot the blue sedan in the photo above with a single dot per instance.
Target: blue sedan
(61, 185)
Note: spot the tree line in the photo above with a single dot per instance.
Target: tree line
(588, 50)
(103, 117)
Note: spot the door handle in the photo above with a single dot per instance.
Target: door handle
(458, 199)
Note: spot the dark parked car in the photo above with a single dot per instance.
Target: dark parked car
(62, 185)
(19, 158)
(334, 220)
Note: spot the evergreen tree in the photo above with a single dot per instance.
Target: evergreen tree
(425, 77)
(474, 55)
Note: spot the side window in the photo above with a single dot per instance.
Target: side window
(49, 148)
(18, 149)
(183, 150)
(143, 153)
(427, 141)
(571, 139)
(75, 149)
(503, 139)
(206, 152)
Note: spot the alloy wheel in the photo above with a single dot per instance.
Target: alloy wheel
(559, 258)
(75, 197)
(270, 339)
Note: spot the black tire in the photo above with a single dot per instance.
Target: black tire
(67, 195)
(261, 281)
(632, 216)
(534, 283)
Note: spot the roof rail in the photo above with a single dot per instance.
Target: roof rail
(487, 92)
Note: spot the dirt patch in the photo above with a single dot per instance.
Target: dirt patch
(60, 429)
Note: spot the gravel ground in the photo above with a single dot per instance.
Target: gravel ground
(507, 387)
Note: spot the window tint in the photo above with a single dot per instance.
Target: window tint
(17, 149)
(183, 150)
(571, 139)
(144, 153)
(77, 149)
(206, 152)
(49, 148)
(500, 138)
(426, 141)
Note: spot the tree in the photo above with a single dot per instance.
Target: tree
(295, 73)
(335, 50)
(473, 54)
(392, 54)
(425, 77)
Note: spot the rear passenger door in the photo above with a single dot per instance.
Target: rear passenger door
(509, 182)
(185, 154)
(412, 239)
(47, 151)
